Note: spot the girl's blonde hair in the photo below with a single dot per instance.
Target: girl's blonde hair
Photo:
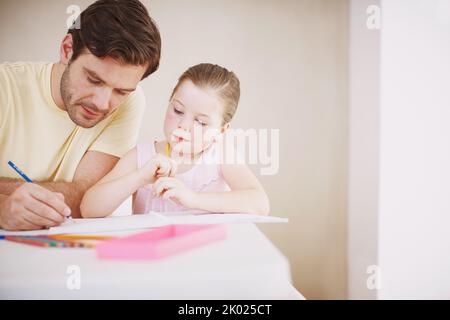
(213, 76)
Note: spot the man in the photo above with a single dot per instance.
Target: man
(66, 124)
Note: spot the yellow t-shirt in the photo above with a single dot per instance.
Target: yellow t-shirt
(41, 139)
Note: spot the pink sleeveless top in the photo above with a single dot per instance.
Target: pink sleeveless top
(204, 176)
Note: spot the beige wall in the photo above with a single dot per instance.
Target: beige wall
(364, 76)
(291, 58)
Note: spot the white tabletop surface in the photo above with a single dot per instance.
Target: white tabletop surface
(246, 265)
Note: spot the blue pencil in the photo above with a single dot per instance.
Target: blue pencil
(23, 175)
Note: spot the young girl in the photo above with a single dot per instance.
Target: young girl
(182, 173)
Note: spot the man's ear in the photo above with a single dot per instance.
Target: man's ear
(66, 49)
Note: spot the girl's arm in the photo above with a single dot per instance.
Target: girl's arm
(246, 195)
(114, 188)
(107, 194)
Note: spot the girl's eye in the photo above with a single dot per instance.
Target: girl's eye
(201, 123)
(177, 111)
(93, 81)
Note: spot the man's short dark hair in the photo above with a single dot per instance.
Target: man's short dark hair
(120, 29)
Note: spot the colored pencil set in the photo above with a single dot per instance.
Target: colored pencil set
(59, 241)
(56, 241)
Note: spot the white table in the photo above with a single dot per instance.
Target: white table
(244, 266)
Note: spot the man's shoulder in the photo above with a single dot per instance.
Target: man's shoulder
(135, 103)
(23, 66)
(15, 71)
(136, 98)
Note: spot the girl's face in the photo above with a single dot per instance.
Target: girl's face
(193, 119)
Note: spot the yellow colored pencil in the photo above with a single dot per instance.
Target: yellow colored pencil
(168, 149)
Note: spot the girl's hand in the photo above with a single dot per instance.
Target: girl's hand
(158, 166)
(174, 189)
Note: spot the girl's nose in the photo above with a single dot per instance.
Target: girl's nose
(185, 125)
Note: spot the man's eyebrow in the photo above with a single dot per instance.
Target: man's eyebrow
(97, 77)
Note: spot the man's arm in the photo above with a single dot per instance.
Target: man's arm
(7, 186)
(92, 167)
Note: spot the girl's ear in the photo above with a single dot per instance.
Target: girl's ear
(225, 127)
(220, 132)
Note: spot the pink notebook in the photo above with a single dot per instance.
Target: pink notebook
(160, 242)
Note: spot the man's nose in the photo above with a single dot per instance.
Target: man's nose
(102, 98)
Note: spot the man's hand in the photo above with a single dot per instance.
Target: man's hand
(32, 207)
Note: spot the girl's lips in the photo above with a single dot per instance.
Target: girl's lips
(179, 139)
(179, 135)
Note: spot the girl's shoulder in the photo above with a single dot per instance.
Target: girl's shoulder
(145, 150)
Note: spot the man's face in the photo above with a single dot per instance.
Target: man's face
(92, 87)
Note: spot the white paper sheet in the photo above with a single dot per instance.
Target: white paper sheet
(43, 232)
(144, 221)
